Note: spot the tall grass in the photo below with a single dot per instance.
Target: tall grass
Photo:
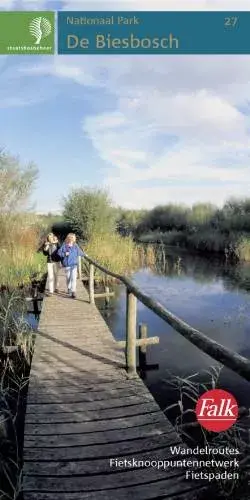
(14, 329)
(243, 248)
(19, 261)
(120, 255)
(234, 246)
(237, 437)
(203, 227)
(20, 267)
(14, 369)
(19, 264)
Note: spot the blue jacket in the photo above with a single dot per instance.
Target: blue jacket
(74, 252)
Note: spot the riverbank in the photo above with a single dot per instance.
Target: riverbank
(22, 276)
(204, 296)
(233, 246)
(17, 335)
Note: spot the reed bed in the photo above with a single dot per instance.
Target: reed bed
(120, 255)
(14, 370)
(233, 246)
(20, 266)
(20, 262)
(237, 437)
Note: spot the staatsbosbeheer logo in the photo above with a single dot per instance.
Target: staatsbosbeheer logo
(217, 410)
(27, 32)
(40, 27)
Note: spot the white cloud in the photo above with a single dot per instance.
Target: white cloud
(173, 128)
(178, 122)
(62, 70)
(212, 135)
(148, 197)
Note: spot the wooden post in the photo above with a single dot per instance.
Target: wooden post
(35, 300)
(131, 303)
(35, 307)
(91, 284)
(79, 267)
(143, 332)
(107, 298)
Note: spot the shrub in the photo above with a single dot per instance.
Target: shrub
(89, 211)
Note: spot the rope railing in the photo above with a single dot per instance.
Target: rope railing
(230, 359)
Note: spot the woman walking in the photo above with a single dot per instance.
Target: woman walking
(50, 249)
(69, 253)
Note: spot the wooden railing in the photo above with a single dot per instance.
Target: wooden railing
(218, 352)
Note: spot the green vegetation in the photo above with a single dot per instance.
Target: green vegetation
(203, 227)
(109, 235)
(91, 215)
(89, 212)
(128, 220)
(188, 390)
(16, 183)
(44, 223)
(19, 265)
(119, 255)
(19, 229)
(14, 332)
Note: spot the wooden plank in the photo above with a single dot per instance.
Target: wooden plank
(88, 406)
(49, 373)
(140, 342)
(90, 467)
(77, 378)
(158, 490)
(94, 426)
(82, 411)
(86, 416)
(108, 450)
(75, 368)
(79, 396)
(67, 387)
(165, 488)
(109, 436)
(97, 482)
(104, 294)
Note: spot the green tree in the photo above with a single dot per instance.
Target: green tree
(201, 214)
(89, 211)
(16, 183)
(127, 221)
(164, 218)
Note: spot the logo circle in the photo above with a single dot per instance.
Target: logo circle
(217, 410)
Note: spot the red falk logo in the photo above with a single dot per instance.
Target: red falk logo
(217, 410)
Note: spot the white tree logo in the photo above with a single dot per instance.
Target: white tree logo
(40, 27)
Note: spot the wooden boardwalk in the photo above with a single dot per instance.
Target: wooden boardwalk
(83, 411)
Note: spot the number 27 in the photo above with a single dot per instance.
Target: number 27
(231, 21)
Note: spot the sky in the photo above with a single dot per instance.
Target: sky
(151, 129)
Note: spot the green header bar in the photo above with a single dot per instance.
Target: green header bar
(27, 32)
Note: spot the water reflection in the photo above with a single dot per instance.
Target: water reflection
(209, 295)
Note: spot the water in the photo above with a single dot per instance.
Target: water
(32, 319)
(209, 295)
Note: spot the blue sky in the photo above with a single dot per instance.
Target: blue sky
(152, 129)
